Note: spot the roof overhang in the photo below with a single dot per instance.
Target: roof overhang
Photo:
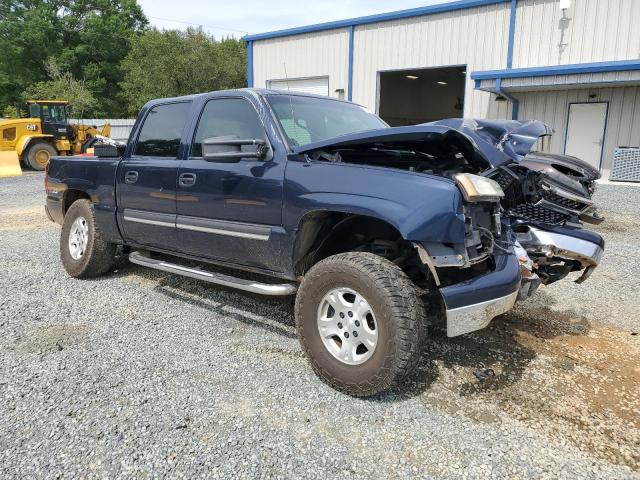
(560, 77)
(382, 17)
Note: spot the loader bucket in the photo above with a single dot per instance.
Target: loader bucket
(9, 164)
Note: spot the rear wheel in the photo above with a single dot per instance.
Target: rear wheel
(83, 250)
(361, 322)
(39, 154)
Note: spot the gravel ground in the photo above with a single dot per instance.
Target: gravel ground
(143, 374)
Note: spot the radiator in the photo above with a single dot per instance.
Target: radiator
(626, 165)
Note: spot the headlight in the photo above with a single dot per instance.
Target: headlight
(478, 189)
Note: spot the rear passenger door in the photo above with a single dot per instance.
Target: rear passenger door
(147, 179)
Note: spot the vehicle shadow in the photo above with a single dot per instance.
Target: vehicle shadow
(495, 356)
(491, 359)
(274, 315)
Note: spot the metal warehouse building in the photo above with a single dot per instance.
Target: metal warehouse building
(574, 64)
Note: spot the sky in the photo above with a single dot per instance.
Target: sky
(237, 18)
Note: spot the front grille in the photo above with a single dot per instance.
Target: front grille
(539, 214)
(565, 202)
(504, 179)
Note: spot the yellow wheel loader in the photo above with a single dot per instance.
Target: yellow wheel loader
(32, 141)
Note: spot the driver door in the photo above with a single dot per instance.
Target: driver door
(231, 212)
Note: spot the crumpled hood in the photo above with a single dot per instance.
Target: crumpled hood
(499, 140)
(414, 137)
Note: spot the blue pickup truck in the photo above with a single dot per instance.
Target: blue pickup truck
(378, 231)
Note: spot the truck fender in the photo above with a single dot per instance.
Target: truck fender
(23, 142)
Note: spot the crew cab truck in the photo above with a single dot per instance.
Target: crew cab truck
(376, 230)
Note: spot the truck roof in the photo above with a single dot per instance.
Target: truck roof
(246, 91)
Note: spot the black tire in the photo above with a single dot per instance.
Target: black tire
(39, 155)
(98, 256)
(400, 317)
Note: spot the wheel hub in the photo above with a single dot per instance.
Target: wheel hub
(347, 326)
(42, 157)
(78, 238)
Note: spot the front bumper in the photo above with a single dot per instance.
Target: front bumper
(471, 305)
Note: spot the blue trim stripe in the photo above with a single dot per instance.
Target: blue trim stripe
(576, 68)
(512, 33)
(250, 64)
(350, 73)
(383, 17)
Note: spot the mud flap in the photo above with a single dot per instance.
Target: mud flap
(10, 164)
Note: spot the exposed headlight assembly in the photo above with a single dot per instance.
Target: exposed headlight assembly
(478, 189)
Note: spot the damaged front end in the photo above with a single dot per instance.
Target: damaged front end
(548, 197)
(523, 211)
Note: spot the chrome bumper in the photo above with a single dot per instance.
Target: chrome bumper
(557, 245)
(566, 247)
(477, 316)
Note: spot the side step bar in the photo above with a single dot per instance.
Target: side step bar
(212, 277)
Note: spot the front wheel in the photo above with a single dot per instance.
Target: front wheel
(83, 250)
(361, 322)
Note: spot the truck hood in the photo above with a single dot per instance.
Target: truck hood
(429, 138)
(499, 138)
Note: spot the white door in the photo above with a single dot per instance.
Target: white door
(585, 131)
(318, 85)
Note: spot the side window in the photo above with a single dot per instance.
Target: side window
(34, 110)
(227, 119)
(162, 129)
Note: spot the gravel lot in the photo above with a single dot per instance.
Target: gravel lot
(143, 374)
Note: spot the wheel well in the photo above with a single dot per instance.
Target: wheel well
(323, 234)
(71, 196)
(35, 141)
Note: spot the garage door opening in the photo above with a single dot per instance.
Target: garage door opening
(316, 85)
(409, 97)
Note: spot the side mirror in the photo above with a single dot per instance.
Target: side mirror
(229, 150)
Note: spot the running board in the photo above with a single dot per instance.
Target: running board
(212, 277)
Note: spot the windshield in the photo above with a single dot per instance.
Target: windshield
(305, 120)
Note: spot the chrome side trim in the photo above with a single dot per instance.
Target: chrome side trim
(218, 231)
(146, 221)
(214, 277)
(477, 316)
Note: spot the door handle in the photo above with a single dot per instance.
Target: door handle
(187, 179)
(131, 177)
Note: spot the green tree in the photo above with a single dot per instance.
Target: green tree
(62, 86)
(172, 63)
(87, 38)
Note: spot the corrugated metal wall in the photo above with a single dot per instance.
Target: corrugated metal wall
(590, 31)
(120, 127)
(476, 37)
(310, 55)
(552, 107)
(594, 30)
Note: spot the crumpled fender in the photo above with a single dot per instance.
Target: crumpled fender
(421, 207)
(24, 141)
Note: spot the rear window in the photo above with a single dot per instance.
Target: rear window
(162, 129)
